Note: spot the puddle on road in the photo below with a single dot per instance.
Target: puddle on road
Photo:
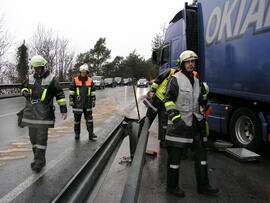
(103, 110)
(55, 136)
(10, 158)
(2, 164)
(20, 144)
(7, 151)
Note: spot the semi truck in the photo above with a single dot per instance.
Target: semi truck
(232, 40)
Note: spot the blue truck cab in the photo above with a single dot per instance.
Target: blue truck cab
(232, 40)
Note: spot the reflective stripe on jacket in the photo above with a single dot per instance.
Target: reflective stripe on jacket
(79, 84)
(183, 103)
(39, 110)
(187, 102)
(82, 93)
(161, 89)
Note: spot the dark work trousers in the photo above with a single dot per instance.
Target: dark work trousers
(88, 119)
(174, 157)
(162, 116)
(38, 138)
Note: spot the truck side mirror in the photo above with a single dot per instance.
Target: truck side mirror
(155, 58)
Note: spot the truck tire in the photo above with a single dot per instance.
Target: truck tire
(245, 129)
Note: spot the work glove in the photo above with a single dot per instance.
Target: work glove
(93, 100)
(26, 93)
(177, 127)
(178, 122)
(207, 112)
(71, 103)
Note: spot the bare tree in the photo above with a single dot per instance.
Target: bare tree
(4, 43)
(65, 59)
(10, 74)
(44, 43)
(54, 49)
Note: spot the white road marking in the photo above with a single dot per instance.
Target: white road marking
(8, 114)
(33, 178)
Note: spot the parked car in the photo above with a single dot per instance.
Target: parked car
(110, 82)
(99, 82)
(119, 81)
(142, 82)
(127, 81)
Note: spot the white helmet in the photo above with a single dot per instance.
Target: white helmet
(37, 61)
(187, 55)
(84, 68)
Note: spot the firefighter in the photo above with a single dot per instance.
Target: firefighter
(182, 105)
(40, 89)
(155, 103)
(82, 98)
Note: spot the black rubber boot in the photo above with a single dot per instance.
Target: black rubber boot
(176, 192)
(34, 152)
(77, 128)
(40, 161)
(92, 136)
(77, 136)
(172, 182)
(207, 190)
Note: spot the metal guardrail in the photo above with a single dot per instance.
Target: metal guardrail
(132, 186)
(18, 85)
(13, 90)
(80, 186)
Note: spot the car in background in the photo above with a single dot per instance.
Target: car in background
(99, 82)
(127, 81)
(142, 82)
(119, 81)
(110, 82)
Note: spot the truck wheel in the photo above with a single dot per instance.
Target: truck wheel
(245, 129)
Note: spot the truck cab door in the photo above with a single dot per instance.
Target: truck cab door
(165, 57)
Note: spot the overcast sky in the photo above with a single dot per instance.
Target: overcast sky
(126, 24)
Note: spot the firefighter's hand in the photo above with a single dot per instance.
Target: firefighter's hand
(64, 116)
(150, 94)
(178, 122)
(207, 112)
(93, 104)
(26, 93)
(71, 103)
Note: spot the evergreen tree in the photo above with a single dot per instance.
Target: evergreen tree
(96, 58)
(100, 54)
(22, 63)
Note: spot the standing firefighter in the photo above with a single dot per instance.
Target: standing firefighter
(38, 114)
(155, 103)
(82, 98)
(185, 121)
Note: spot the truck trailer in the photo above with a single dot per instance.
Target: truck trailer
(232, 40)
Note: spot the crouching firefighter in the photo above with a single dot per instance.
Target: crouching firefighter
(155, 103)
(182, 105)
(39, 90)
(82, 98)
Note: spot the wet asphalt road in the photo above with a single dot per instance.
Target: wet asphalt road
(237, 181)
(15, 149)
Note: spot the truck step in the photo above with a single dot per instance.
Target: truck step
(243, 154)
